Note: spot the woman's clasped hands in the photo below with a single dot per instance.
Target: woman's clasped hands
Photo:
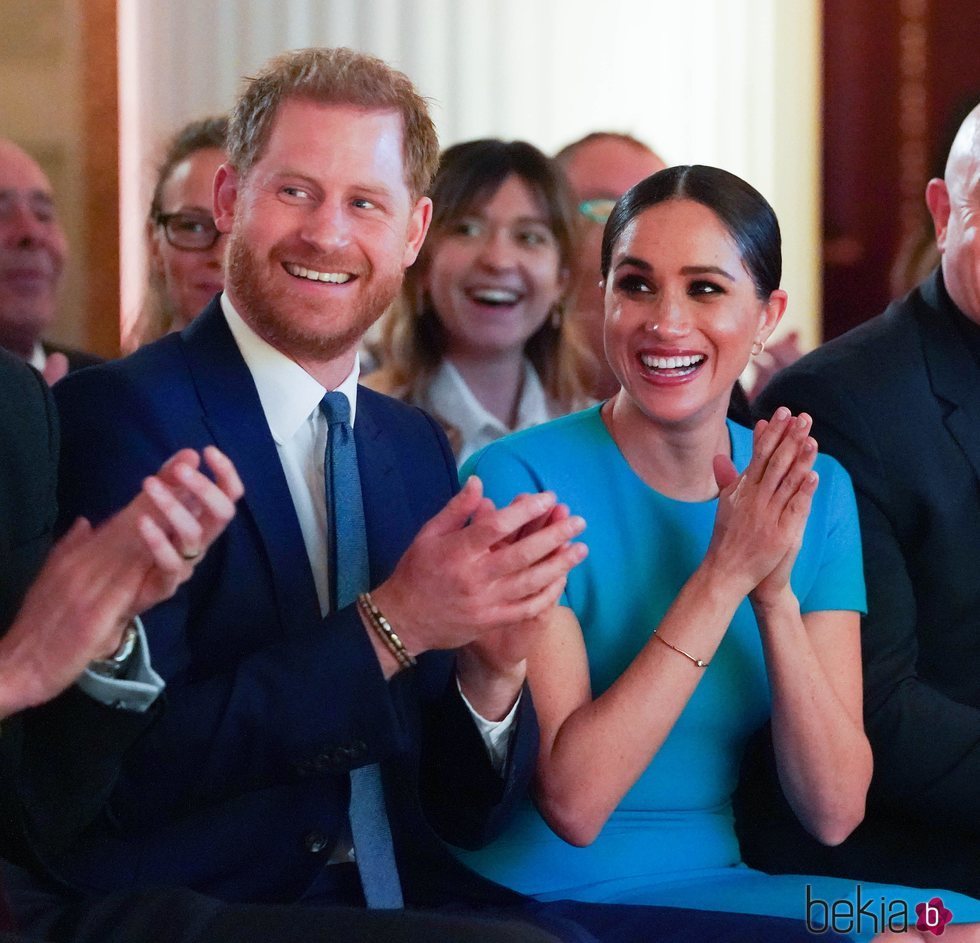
(762, 512)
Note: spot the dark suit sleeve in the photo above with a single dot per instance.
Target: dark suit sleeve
(926, 745)
(28, 464)
(28, 479)
(258, 703)
(466, 801)
(54, 775)
(249, 702)
(464, 798)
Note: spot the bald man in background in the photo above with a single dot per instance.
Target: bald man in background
(601, 167)
(33, 250)
(897, 401)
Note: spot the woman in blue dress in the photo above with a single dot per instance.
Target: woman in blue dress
(723, 588)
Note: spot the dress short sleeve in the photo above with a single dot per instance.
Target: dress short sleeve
(503, 471)
(834, 536)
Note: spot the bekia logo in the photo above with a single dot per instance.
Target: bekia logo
(862, 914)
(933, 916)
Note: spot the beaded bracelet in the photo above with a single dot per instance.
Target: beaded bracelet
(680, 651)
(384, 631)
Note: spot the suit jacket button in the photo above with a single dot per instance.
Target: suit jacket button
(316, 842)
(304, 767)
(358, 749)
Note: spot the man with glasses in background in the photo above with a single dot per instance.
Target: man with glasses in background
(601, 167)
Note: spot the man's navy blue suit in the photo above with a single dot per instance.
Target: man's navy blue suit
(241, 788)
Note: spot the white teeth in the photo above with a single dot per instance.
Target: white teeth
(671, 363)
(335, 278)
(498, 296)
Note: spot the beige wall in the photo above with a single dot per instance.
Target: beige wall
(796, 172)
(40, 105)
(58, 101)
(100, 132)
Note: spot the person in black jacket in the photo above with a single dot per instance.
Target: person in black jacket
(897, 401)
(70, 612)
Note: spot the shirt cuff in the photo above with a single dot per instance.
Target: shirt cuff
(137, 690)
(496, 734)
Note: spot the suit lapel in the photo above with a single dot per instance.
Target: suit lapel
(953, 371)
(234, 417)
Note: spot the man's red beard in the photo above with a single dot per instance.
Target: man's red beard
(268, 311)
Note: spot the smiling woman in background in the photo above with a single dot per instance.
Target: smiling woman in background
(478, 337)
(186, 252)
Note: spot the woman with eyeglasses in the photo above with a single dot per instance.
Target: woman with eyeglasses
(186, 251)
(479, 337)
(722, 591)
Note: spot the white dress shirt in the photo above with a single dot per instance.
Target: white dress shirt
(39, 358)
(290, 399)
(449, 398)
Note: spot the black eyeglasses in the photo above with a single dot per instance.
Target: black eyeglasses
(191, 231)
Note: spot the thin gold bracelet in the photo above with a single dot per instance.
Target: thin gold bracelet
(680, 651)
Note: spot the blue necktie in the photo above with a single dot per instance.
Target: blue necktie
(349, 575)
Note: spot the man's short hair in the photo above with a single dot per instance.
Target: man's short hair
(334, 77)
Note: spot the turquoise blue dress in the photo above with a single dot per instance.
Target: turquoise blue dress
(671, 841)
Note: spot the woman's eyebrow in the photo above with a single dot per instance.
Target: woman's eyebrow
(634, 262)
(706, 270)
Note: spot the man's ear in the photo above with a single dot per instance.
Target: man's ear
(418, 226)
(937, 199)
(225, 197)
